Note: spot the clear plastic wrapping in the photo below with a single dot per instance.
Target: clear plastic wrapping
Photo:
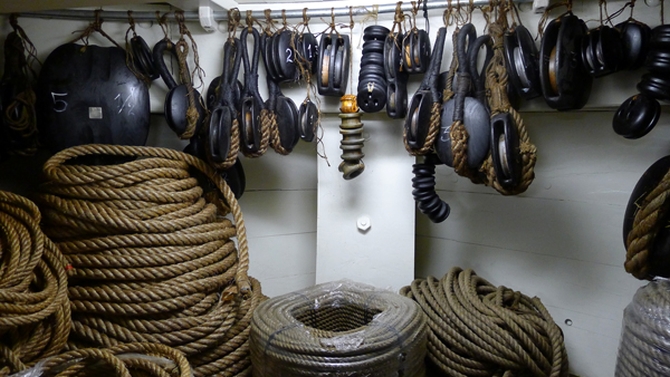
(338, 329)
(644, 349)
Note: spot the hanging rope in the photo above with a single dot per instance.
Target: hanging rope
(496, 84)
(477, 329)
(192, 114)
(645, 335)
(19, 112)
(132, 359)
(152, 254)
(646, 225)
(34, 309)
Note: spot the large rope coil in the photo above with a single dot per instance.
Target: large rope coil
(477, 329)
(338, 329)
(125, 360)
(34, 308)
(152, 254)
(644, 349)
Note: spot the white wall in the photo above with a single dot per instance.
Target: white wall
(560, 241)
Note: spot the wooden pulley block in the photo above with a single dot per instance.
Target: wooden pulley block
(416, 51)
(521, 56)
(602, 51)
(334, 62)
(566, 85)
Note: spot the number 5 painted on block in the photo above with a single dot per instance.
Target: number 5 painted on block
(59, 104)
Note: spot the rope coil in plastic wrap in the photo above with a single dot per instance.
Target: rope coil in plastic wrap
(152, 254)
(338, 329)
(34, 309)
(644, 349)
(125, 360)
(477, 329)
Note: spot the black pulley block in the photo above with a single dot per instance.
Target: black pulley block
(505, 151)
(372, 84)
(602, 51)
(635, 41)
(566, 85)
(308, 113)
(288, 120)
(396, 77)
(143, 58)
(521, 56)
(416, 51)
(251, 103)
(87, 94)
(224, 110)
(333, 67)
(636, 116)
(659, 257)
(177, 99)
(418, 116)
(307, 47)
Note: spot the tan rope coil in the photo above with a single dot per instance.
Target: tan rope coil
(152, 254)
(125, 360)
(646, 224)
(34, 309)
(645, 338)
(338, 329)
(477, 329)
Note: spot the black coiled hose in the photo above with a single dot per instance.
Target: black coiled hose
(427, 200)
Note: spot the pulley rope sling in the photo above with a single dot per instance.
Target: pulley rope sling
(34, 308)
(152, 254)
(477, 329)
(646, 225)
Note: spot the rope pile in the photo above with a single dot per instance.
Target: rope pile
(477, 329)
(152, 254)
(34, 309)
(644, 349)
(132, 359)
(338, 329)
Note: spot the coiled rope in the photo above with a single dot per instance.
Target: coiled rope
(34, 309)
(477, 329)
(125, 360)
(152, 254)
(338, 329)
(643, 349)
(646, 225)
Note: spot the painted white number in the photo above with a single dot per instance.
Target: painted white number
(289, 57)
(59, 104)
(309, 50)
(128, 102)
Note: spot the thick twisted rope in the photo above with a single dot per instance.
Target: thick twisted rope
(266, 126)
(34, 308)
(645, 335)
(646, 224)
(270, 118)
(339, 329)
(477, 329)
(152, 254)
(496, 83)
(125, 360)
(234, 149)
(457, 133)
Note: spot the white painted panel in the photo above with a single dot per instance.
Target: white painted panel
(284, 263)
(384, 255)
